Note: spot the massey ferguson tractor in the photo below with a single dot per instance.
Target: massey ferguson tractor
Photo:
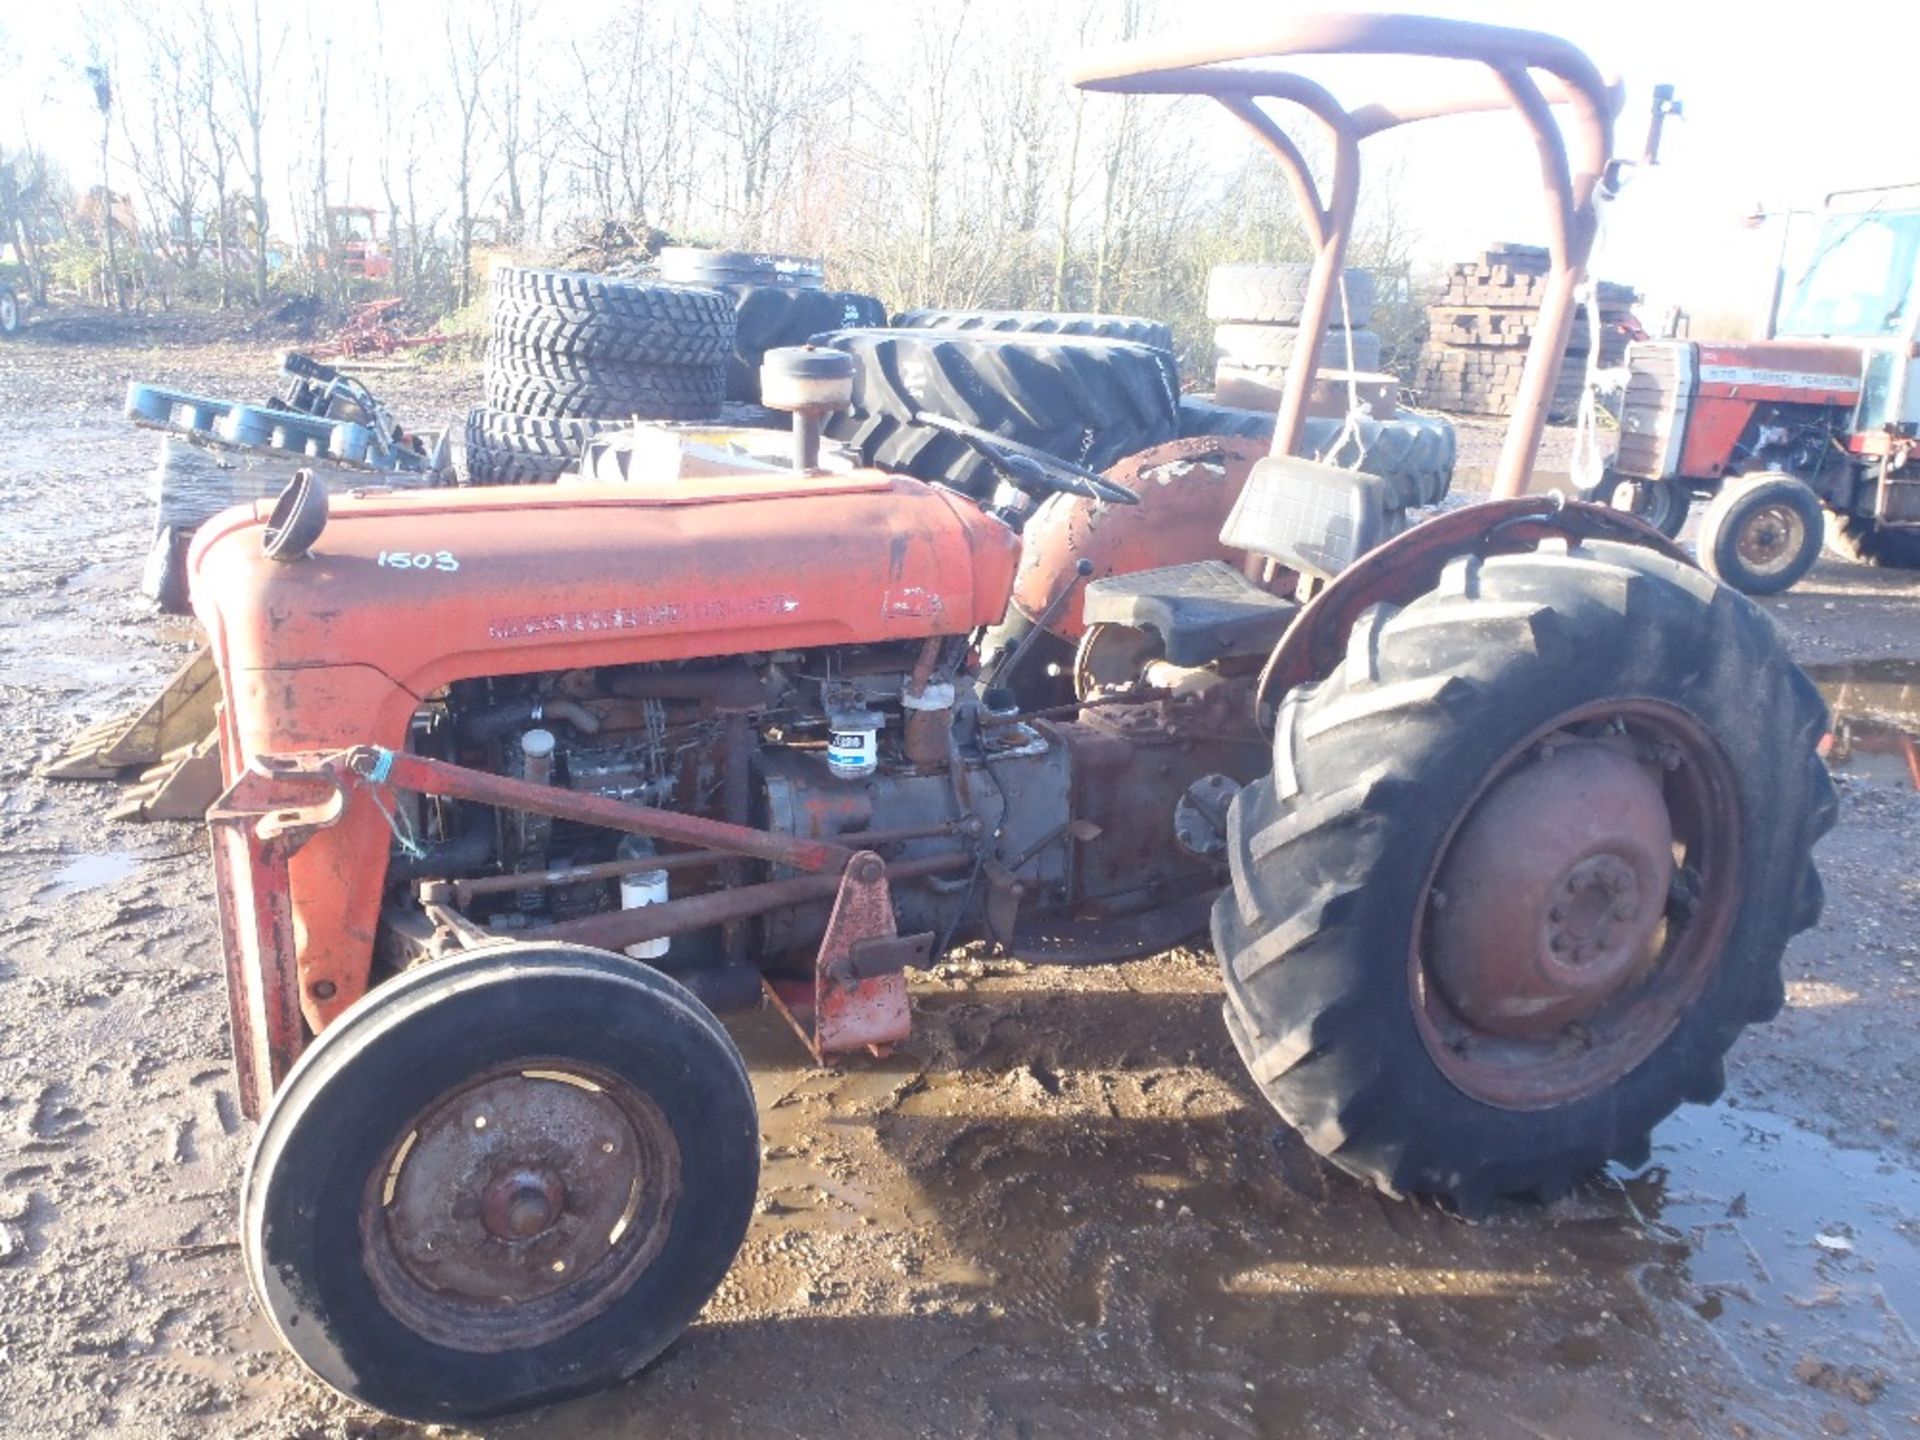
(1500, 825)
(1813, 429)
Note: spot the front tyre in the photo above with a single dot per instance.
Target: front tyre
(499, 1181)
(1761, 533)
(1663, 504)
(1524, 869)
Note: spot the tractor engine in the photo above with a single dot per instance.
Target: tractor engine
(1001, 825)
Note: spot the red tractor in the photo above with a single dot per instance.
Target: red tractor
(1500, 824)
(1811, 430)
(363, 254)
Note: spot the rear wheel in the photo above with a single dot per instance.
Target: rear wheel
(1864, 541)
(501, 1180)
(1524, 869)
(1761, 533)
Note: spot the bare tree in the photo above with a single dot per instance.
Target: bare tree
(210, 98)
(247, 62)
(505, 106)
(167, 152)
(632, 135)
(768, 67)
(102, 85)
(471, 55)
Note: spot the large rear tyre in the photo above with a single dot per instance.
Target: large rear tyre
(501, 1180)
(1524, 869)
(1864, 541)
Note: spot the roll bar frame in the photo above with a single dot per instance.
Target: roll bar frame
(1575, 163)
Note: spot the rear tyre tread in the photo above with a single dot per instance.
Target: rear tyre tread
(1318, 985)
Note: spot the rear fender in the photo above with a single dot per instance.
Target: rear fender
(1409, 565)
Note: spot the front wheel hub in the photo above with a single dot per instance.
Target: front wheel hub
(1550, 897)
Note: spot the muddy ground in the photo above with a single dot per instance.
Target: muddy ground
(1060, 1210)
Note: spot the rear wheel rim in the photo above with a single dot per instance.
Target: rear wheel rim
(519, 1205)
(1596, 994)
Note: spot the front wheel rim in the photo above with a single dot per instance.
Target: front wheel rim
(519, 1205)
(1771, 539)
(1592, 994)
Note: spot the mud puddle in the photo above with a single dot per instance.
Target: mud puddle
(88, 872)
(1876, 714)
(1802, 1256)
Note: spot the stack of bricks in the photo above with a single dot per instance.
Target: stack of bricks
(1480, 330)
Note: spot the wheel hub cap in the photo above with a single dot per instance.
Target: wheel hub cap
(521, 1205)
(1550, 897)
(1770, 539)
(518, 1206)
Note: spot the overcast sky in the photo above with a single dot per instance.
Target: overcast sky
(1781, 106)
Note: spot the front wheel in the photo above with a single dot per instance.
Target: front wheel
(1761, 533)
(1524, 869)
(1663, 504)
(501, 1180)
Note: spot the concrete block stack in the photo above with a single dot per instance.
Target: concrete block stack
(1481, 327)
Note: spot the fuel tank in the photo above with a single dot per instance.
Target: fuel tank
(404, 592)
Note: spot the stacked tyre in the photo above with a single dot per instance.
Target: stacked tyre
(1086, 398)
(1256, 311)
(778, 300)
(572, 353)
(1043, 322)
(1412, 451)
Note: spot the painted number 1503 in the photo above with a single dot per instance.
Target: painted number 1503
(418, 560)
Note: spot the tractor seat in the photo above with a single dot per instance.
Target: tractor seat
(1202, 612)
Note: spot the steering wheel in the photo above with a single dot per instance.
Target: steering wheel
(1030, 470)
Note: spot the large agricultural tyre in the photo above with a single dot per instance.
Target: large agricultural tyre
(1272, 347)
(770, 317)
(608, 392)
(1277, 294)
(1089, 401)
(1524, 869)
(604, 307)
(1761, 533)
(1042, 322)
(680, 334)
(9, 311)
(1413, 452)
(500, 1180)
(508, 449)
(694, 265)
(1864, 541)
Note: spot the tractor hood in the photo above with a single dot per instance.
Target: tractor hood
(1817, 372)
(404, 592)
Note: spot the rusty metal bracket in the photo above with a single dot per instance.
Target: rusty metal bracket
(263, 819)
(376, 765)
(858, 993)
